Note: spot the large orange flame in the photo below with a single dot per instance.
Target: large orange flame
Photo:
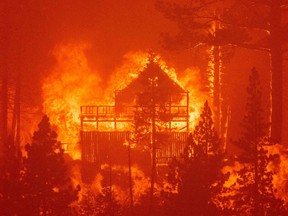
(72, 83)
(280, 171)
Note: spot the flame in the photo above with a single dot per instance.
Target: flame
(278, 168)
(72, 83)
(133, 64)
(280, 171)
(120, 188)
(233, 173)
(190, 81)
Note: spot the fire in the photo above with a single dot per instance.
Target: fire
(233, 173)
(280, 173)
(120, 188)
(72, 83)
(133, 64)
(190, 80)
(140, 183)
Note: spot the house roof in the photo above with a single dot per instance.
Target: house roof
(151, 77)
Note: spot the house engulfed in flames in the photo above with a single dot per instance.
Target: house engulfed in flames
(151, 108)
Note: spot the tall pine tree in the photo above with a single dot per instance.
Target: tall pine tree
(48, 189)
(253, 124)
(255, 195)
(197, 177)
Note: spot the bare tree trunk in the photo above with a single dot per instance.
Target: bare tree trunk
(4, 79)
(256, 182)
(217, 89)
(277, 70)
(130, 180)
(153, 143)
(16, 115)
(4, 113)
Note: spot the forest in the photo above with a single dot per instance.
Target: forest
(158, 107)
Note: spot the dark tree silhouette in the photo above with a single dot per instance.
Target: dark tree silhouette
(48, 190)
(152, 114)
(255, 195)
(205, 134)
(197, 177)
(101, 203)
(253, 124)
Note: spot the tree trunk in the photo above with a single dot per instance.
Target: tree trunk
(153, 143)
(4, 79)
(217, 89)
(4, 113)
(130, 180)
(16, 115)
(256, 181)
(277, 70)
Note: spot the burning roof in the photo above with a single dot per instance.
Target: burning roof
(152, 78)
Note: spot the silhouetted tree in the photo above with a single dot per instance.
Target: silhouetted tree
(100, 203)
(197, 177)
(255, 195)
(152, 113)
(253, 124)
(48, 189)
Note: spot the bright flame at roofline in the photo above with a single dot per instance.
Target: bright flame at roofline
(72, 83)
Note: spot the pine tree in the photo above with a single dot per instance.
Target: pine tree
(48, 190)
(197, 176)
(152, 114)
(255, 195)
(205, 134)
(253, 124)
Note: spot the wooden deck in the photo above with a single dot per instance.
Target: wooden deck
(109, 147)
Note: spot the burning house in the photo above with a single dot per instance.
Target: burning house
(153, 109)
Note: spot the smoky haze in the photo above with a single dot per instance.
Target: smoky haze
(111, 27)
(32, 29)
